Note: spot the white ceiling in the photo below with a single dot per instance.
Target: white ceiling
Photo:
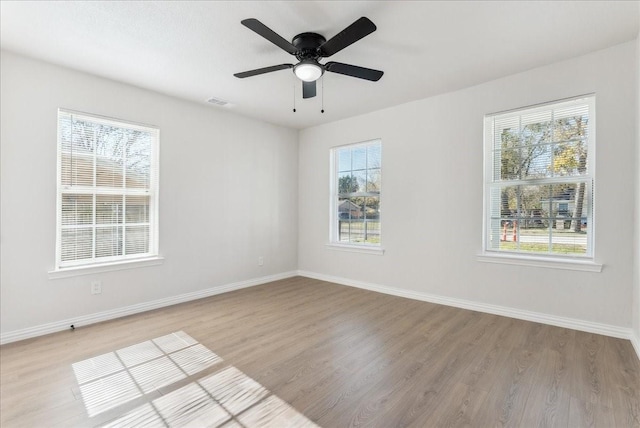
(191, 49)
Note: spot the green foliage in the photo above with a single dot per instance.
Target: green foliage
(348, 184)
(541, 150)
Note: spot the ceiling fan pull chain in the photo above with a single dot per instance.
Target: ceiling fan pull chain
(294, 97)
(322, 94)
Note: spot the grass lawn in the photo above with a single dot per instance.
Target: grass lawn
(534, 247)
(545, 231)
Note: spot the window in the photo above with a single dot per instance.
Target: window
(539, 167)
(107, 195)
(356, 194)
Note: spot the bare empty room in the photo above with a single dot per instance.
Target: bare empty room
(262, 214)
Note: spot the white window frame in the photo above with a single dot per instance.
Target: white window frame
(102, 264)
(572, 262)
(334, 240)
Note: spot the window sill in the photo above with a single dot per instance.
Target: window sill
(104, 267)
(363, 249)
(544, 262)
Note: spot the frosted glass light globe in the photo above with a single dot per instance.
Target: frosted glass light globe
(307, 72)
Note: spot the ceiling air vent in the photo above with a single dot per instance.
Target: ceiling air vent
(218, 102)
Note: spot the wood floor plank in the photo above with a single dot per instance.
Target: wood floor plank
(548, 402)
(376, 382)
(586, 414)
(507, 398)
(345, 357)
(625, 378)
(464, 404)
(588, 371)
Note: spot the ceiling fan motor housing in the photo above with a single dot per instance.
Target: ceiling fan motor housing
(307, 45)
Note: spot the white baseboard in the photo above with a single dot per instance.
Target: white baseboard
(14, 336)
(635, 341)
(572, 323)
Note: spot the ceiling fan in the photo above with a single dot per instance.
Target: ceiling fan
(308, 48)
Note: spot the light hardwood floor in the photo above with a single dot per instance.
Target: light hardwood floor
(345, 357)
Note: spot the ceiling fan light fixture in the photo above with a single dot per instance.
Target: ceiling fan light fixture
(309, 48)
(308, 71)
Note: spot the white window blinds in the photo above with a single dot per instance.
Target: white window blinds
(107, 190)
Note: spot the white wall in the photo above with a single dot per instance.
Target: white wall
(228, 189)
(432, 194)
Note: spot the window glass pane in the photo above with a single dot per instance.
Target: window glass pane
(109, 172)
(529, 230)
(360, 178)
(137, 241)
(570, 158)
(372, 217)
(108, 209)
(347, 183)
(82, 137)
(508, 164)
(359, 158)
(529, 199)
(110, 141)
(76, 169)
(77, 244)
(348, 208)
(372, 232)
(344, 160)
(357, 231)
(372, 208)
(65, 127)
(77, 152)
(571, 123)
(535, 161)
(374, 153)
(506, 200)
(351, 220)
(138, 159)
(137, 209)
(508, 137)
(108, 241)
(373, 180)
(345, 211)
(77, 209)
(566, 243)
(536, 128)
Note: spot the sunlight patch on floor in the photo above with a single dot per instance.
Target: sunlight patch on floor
(112, 379)
(234, 390)
(108, 392)
(227, 398)
(224, 399)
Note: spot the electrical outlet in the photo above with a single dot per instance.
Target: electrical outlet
(260, 261)
(96, 287)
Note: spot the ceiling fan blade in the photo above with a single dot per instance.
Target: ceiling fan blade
(262, 70)
(266, 32)
(348, 36)
(354, 71)
(308, 89)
